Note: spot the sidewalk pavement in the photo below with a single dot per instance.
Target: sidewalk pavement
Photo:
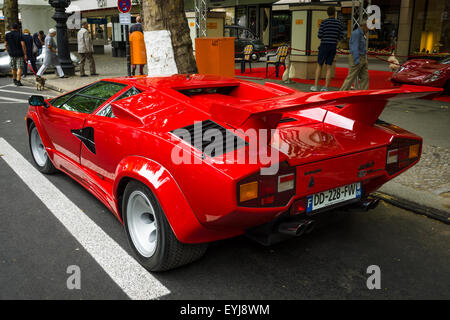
(425, 188)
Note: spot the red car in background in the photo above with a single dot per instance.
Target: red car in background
(123, 139)
(425, 72)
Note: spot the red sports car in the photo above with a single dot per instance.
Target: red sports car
(424, 72)
(188, 159)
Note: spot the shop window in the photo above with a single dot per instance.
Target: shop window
(430, 32)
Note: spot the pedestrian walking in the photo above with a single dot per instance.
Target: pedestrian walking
(137, 52)
(137, 26)
(331, 31)
(15, 46)
(359, 66)
(86, 50)
(31, 52)
(50, 55)
(39, 41)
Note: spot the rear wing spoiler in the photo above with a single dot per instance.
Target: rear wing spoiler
(364, 106)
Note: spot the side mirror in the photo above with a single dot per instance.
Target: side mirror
(37, 101)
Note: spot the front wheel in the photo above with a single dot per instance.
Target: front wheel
(38, 152)
(149, 233)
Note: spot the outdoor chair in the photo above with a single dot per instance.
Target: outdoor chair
(248, 51)
(280, 59)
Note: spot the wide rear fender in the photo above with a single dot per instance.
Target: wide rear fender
(179, 214)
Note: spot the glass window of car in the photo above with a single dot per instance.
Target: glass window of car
(103, 90)
(445, 61)
(89, 98)
(58, 101)
(81, 103)
(107, 110)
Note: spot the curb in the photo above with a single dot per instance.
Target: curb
(414, 207)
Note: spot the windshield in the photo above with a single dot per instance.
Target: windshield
(445, 61)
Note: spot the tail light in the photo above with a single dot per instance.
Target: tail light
(267, 191)
(401, 154)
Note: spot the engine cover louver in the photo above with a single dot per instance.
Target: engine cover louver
(210, 138)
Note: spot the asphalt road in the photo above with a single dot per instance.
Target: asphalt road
(412, 251)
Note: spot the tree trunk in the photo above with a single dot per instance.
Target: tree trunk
(169, 15)
(11, 12)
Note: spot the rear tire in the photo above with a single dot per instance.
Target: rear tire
(149, 233)
(38, 152)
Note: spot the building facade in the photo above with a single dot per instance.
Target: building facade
(412, 26)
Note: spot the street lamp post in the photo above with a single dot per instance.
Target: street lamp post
(61, 17)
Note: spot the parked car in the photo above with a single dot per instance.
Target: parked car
(5, 68)
(244, 37)
(425, 72)
(168, 156)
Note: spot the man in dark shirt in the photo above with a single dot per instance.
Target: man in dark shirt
(330, 33)
(39, 38)
(137, 26)
(15, 45)
(29, 44)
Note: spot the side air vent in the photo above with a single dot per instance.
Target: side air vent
(210, 138)
(284, 120)
(225, 90)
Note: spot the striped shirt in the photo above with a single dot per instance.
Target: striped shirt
(331, 31)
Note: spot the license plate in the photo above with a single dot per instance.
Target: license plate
(334, 196)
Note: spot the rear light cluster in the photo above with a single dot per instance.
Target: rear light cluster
(402, 153)
(267, 191)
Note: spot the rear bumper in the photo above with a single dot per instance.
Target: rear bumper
(285, 226)
(243, 218)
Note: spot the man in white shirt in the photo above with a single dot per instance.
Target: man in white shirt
(86, 50)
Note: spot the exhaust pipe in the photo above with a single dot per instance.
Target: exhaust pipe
(310, 225)
(370, 204)
(296, 229)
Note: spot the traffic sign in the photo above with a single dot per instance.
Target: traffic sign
(124, 6)
(125, 18)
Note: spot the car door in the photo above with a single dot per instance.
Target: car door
(110, 137)
(58, 120)
(65, 118)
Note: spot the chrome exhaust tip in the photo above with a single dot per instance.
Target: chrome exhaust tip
(370, 204)
(310, 225)
(294, 229)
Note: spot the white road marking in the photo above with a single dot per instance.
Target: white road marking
(13, 100)
(123, 269)
(24, 93)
